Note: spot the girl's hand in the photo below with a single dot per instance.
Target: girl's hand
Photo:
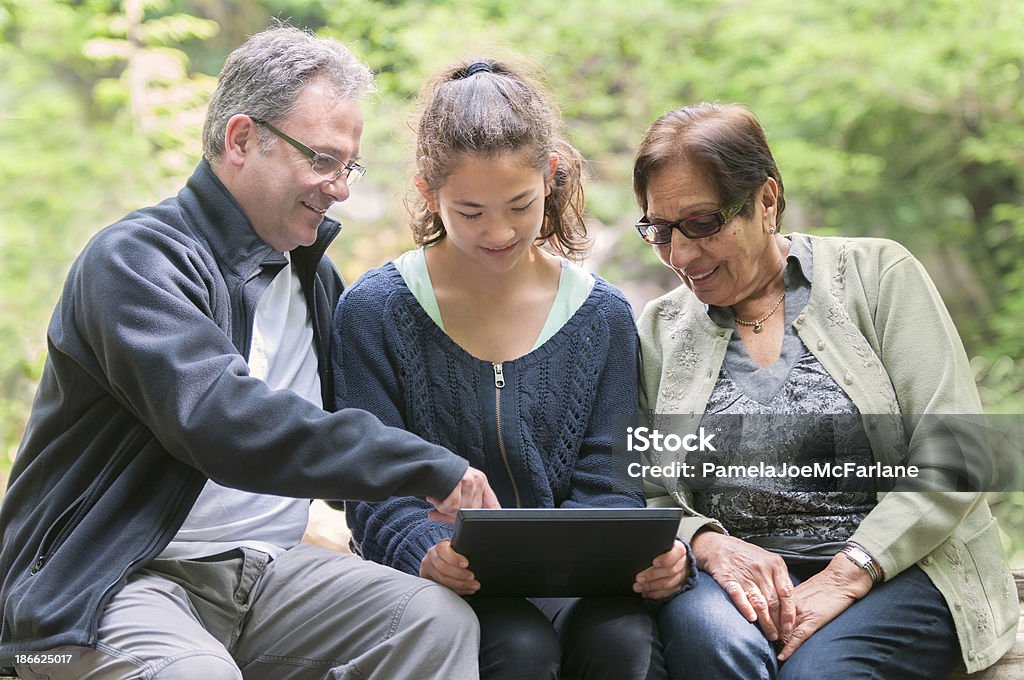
(443, 565)
(666, 576)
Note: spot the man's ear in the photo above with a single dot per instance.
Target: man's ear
(427, 193)
(240, 139)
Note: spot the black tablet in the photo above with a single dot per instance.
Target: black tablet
(535, 552)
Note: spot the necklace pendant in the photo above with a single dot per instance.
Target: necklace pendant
(758, 327)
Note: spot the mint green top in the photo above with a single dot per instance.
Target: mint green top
(574, 285)
(879, 327)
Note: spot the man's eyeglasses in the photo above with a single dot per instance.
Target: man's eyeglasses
(328, 167)
(696, 226)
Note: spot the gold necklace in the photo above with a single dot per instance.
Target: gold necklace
(758, 324)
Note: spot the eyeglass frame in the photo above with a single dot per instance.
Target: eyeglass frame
(722, 215)
(352, 172)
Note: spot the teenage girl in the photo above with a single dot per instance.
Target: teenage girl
(488, 341)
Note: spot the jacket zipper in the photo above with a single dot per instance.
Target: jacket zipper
(499, 382)
(74, 514)
(55, 535)
(247, 314)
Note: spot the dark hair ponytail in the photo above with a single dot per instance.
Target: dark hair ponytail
(486, 108)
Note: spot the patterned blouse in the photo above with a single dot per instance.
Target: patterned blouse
(790, 413)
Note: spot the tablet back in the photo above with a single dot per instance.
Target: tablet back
(534, 552)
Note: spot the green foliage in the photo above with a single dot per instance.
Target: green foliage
(1001, 386)
(903, 120)
(1009, 510)
(79, 148)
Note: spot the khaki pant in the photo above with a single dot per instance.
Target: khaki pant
(311, 613)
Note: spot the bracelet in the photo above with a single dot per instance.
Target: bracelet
(863, 559)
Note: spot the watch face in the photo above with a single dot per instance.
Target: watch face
(862, 559)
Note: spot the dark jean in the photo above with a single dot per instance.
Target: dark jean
(599, 638)
(901, 630)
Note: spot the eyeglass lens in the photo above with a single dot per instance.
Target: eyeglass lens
(331, 168)
(699, 226)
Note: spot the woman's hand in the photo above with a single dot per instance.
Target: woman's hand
(823, 597)
(666, 576)
(756, 580)
(443, 565)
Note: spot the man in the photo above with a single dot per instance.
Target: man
(152, 522)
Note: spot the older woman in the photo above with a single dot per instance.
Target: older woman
(816, 581)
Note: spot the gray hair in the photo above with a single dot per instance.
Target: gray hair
(264, 77)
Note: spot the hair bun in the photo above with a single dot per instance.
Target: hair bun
(477, 67)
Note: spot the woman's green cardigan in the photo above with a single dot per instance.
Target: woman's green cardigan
(877, 324)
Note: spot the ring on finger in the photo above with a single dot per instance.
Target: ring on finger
(752, 593)
(732, 586)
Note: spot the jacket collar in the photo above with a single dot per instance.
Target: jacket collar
(218, 220)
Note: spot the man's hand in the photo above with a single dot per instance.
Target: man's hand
(665, 577)
(756, 580)
(443, 565)
(472, 491)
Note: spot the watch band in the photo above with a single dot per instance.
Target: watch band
(863, 559)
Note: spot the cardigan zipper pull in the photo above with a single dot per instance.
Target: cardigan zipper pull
(499, 376)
